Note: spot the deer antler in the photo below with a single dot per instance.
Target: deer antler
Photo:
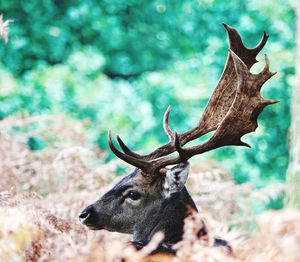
(232, 111)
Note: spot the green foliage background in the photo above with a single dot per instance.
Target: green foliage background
(121, 63)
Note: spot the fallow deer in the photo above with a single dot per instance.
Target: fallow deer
(154, 198)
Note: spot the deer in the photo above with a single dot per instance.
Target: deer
(154, 197)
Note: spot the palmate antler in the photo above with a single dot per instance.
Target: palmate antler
(232, 112)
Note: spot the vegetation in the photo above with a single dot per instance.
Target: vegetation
(42, 192)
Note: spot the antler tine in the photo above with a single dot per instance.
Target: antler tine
(167, 129)
(140, 163)
(265, 74)
(126, 150)
(236, 44)
(260, 45)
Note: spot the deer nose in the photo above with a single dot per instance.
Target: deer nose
(85, 213)
(83, 216)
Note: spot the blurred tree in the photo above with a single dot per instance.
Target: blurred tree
(293, 174)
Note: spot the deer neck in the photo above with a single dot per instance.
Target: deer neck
(168, 218)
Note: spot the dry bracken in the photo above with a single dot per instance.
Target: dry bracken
(42, 192)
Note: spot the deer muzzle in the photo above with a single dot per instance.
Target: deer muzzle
(89, 218)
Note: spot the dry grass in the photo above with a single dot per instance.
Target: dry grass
(42, 193)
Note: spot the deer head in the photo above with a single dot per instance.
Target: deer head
(154, 198)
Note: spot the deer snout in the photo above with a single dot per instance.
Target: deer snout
(83, 216)
(86, 213)
(90, 218)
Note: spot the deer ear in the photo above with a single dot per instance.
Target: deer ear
(175, 179)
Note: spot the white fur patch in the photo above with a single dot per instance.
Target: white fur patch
(175, 179)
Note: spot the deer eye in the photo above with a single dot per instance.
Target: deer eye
(134, 195)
